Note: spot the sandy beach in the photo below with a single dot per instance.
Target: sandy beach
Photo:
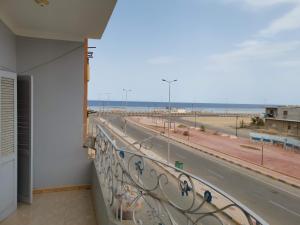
(221, 121)
(223, 124)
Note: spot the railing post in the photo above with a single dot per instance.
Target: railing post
(134, 187)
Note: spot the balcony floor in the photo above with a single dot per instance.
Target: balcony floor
(59, 208)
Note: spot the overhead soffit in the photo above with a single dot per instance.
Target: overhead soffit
(59, 19)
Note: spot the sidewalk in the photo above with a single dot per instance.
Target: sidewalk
(278, 163)
(230, 214)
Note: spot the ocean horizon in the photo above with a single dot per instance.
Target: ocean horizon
(148, 106)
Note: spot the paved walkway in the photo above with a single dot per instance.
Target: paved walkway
(277, 162)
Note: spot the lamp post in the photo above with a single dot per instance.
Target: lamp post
(195, 118)
(107, 98)
(169, 124)
(107, 105)
(126, 94)
(103, 100)
(262, 154)
(236, 125)
(99, 104)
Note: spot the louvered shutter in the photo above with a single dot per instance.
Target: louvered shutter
(8, 144)
(7, 115)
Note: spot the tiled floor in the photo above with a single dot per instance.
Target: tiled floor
(60, 208)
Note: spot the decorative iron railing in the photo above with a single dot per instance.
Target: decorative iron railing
(143, 190)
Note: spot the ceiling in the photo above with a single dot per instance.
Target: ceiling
(60, 19)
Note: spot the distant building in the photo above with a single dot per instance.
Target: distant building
(283, 119)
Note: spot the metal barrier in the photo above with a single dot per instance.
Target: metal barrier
(174, 114)
(268, 138)
(143, 190)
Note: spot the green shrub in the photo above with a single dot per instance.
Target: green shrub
(257, 121)
(202, 128)
(186, 133)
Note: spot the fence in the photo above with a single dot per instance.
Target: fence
(141, 190)
(286, 142)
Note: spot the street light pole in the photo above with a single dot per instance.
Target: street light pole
(107, 98)
(195, 118)
(100, 99)
(236, 126)
(126, 94)
(169, 122)
(262, 154)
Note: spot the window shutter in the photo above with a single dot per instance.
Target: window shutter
(7, 116)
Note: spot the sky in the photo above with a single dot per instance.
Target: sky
(220, 51)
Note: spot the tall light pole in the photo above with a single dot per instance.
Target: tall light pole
(126, 95)
(169, 124)
(100, 99)
(103, 99)
(262, 153)
(195, 119)
(107, 98)
(236, 125)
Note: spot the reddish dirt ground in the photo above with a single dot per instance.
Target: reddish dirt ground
(275, 157)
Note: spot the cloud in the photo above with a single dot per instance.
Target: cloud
(261, 51)
(160, 60)
(294, 63)
(253, 52)
(262, 3)
(290, 21)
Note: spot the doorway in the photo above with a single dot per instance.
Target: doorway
(25, 137)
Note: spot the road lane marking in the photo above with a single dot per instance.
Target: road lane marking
(234, 167)
(230, 167)
(216, 174)
(258, 195)
(180, 156)
(246, 173)
(284, 208)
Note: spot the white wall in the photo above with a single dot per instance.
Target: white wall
(58, 156)
(58, 99)
(293, 113)
(8, 180)
(7, 49)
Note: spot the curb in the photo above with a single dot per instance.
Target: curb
(220, 157)
(171, 174)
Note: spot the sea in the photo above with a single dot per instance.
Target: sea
(140, 106)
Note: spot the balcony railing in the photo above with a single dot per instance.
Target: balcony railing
(141, 190)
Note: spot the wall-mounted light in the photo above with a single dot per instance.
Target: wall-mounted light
(42, 3)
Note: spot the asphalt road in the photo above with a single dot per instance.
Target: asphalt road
(277, 203)
(171, 190)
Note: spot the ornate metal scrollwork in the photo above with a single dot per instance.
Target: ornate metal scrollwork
(185, 188)
(139, 167)
(148, 191)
